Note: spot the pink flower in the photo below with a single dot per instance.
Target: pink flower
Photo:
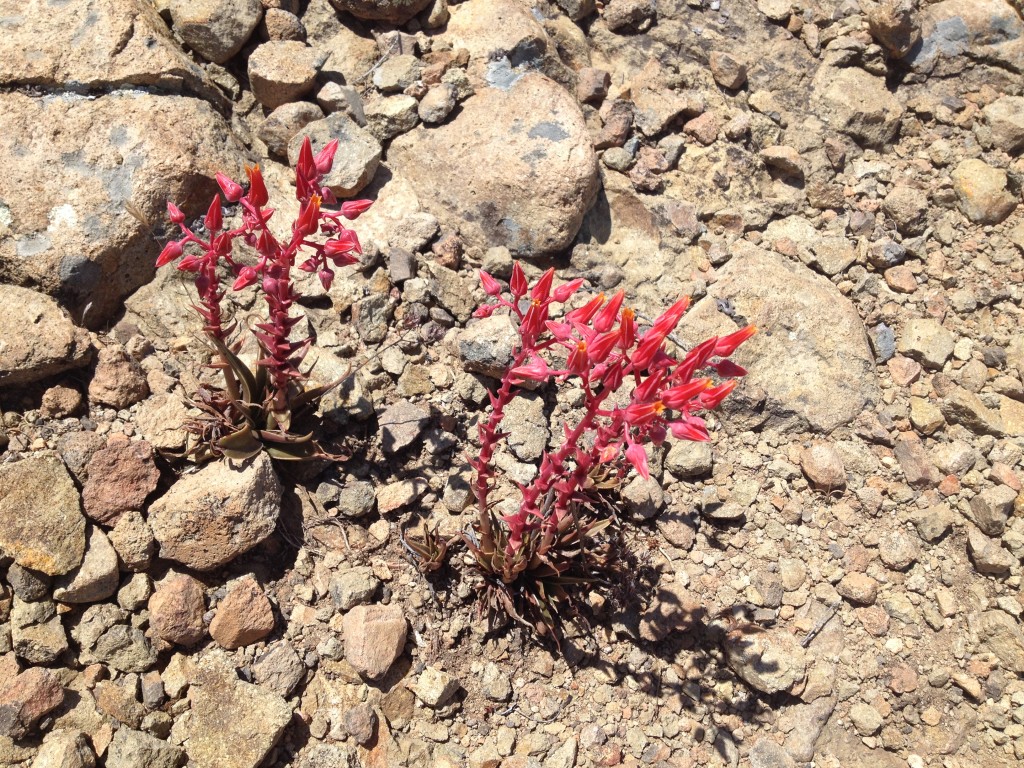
(535, 370)
(232, 190)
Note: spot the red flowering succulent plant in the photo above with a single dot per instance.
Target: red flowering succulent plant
(636, 390)
(258, 408)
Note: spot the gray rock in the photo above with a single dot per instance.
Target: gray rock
(124, 648)
(687, 458)
(898, 551)
(988, 555)
(354, 586)
(37, 634)
(28, 585)
(1005, 120)
(822, 374)
(495, 684)
(281, 71)
(960, 406)
(133, 541)
(361, 723)
(279, 669)
(437, 104)
(926, 341)
(358, 153)
(643, 498)
(391, 116)
(770, 661)
(1000, 634)
(908, 208)
(135, 749)
(215, 29)
(401, 424)
(340, 98)
(527, 427)
(767, 754)
(434, 687)
(211, 517)
(486, 346)
(934, 522)
(65, 749)
(234, 724)
(356, 499)
(37, 338)
(116, 148)
(858, 104)
(542, 178)
(866, 719)
(96, 578)
(285, 122)
(41, 522)
(393, 11)
(991, 508)
(954, 31)
(396, 73)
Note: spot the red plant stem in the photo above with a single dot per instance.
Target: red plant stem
(489, 437)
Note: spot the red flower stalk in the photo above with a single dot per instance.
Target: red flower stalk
(606, 353)
(272, 272)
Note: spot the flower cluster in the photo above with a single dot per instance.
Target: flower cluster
(635, 391)
(318, 237)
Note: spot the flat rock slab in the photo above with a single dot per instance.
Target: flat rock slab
(128, 44)
(811, 357)
(37, 338)
(210, 517)
(541, 168)
(41, 522)
(234, 724)
(126, 148)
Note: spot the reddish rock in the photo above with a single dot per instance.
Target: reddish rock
(25, 701)
(120, 477)
(176, 610)
(244, 616)
(119, 381)
(374, 638)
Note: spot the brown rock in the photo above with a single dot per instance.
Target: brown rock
(823, 466)
(176, 610)
(374, 638)
(24, 702)
(60, 402)
(592, 84)
(120, 477)
(673, 609)
(393, 11)
(244, 616)
(41, 521)
(281, 71)
(215, 29)
(119, 381)
(858, 588)
(728, 72)
(893, 23)
(917, 467)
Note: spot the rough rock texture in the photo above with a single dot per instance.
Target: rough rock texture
(814, 366)
(233, 724)
(41, 521)
(215, 29)
(374, 638)
(119, 381)
(858, 104)
(96, 578)
(37, 339)
(26, 699)
(210, 517)
(134, 749)
(128, 45)
(65, 749)
(244, 616)
(358, 153)
(281, 71)
(542, 176)
(122, 148)
(176, 610)
(769, 661)
(394, 11)
(120, 477)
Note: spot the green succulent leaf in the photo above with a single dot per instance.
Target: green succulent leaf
(242, 444)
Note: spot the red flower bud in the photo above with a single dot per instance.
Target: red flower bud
(170, 252)
(325, 158)
(518, 284)
(606, 317)
(542, 288)
(727, 344)
(232, 190)
(246, 277)
(175, 214)
(565, 290)
(214, 218)
(351, 209)
(326, 278)
(491, 286)
(258, 195)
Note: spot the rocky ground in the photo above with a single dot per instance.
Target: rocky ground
(835, 579)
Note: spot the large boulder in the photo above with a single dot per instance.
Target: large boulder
(76, 167)
(37, 338)
(128, 44)
(956, 32)
(810, 362)
(211, 517)
(541, 170)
